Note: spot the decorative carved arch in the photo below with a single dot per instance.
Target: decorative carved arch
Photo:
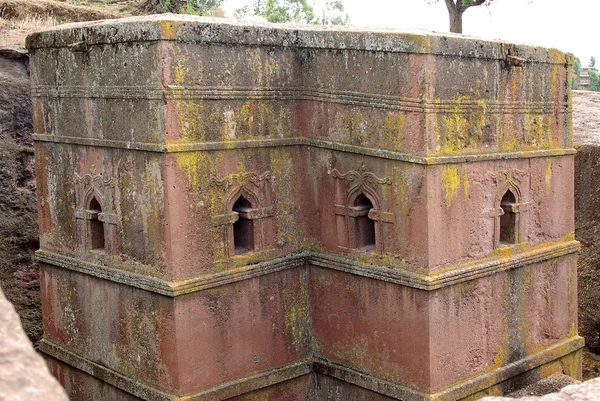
(509, 182)
(235, 194)
(369, 192)
(88, 187)
(359, 182)
(253, 187)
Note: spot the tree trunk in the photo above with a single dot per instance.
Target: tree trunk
(456, 24)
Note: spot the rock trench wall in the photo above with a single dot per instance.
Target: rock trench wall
(19, 276)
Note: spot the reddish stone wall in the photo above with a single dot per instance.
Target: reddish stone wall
(251, 211)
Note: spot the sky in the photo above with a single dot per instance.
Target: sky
(570, 26)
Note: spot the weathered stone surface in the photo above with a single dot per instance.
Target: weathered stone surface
(227, 209)
(24, 375)
(586, 107)
(586, 391)
(19, 274)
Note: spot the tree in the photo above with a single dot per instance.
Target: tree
(594, 80)
(576, 73)
(300, 11)
(456, 9)
(195, 7)
(592, 62)
(333, 14)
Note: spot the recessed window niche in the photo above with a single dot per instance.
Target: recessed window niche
(364, 226)
(243, 228)
(508, 220)
(96, 227)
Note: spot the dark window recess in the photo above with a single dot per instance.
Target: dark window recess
(508, 221)
(243, 228)
(96, 226)
(365, 227)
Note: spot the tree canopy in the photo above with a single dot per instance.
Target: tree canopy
(196, 7)
(300, 11)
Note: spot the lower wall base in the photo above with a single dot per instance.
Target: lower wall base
(81, 386)
(315, 379)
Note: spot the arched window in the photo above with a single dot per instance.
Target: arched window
(96, 227)
(365, 227)
(508, 220)
(243, 228)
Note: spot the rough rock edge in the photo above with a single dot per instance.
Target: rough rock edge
(24, 373)
(586, 391)
(13, 52)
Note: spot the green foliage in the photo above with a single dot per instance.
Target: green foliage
(333, 14)
(298, 11)
(593, 62)
(594, 80)
(576, 73)
(192, 7)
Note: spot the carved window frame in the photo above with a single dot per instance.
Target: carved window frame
(247, 185)
(519, 208)
(88, 187)
(359, 182)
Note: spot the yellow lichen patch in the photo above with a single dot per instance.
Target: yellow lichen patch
(403, 193)
(189, 113)
(461, 127)
(537, 130)
(450, 183)
(179, 75)
(297, 315)
(348, 127)
(245, 118)
(288, 231)
(197, 166)
(394, 130)
(548, 176)
(168, 30)
(466, 184)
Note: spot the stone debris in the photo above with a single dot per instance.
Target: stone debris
(24, 375)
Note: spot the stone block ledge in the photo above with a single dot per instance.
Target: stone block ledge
(428, 282)
(319, 365)
(299, 141)
(191, 29)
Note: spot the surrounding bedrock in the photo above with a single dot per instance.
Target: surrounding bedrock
(586, 128)
(19, 275)
(285, 213)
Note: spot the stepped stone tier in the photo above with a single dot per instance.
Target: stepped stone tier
(267, 212)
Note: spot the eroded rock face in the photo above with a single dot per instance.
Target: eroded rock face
(586, 129)
(24, 374)
(587, 391)
(19, 274)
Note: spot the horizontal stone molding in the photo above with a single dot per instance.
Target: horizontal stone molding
(318, 365)
(171, 288)
(449, 276)
(314, 142)
(147, 392)
(429, 282)
(352, 98)
(452, 393)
